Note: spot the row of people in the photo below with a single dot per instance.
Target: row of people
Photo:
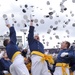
(65, 61)
(40, 62)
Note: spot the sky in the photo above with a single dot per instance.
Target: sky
(40, 10)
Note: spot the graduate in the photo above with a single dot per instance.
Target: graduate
(4, 63)
(71, 56)
(72, 60)
(62, 62)
(18, 67)
(39, 65)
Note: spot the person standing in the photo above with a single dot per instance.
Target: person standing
(39, 67)
(71, 56)
(17, 67)
(62, 61)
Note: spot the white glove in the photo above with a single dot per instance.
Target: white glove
(6, 19)
(64, 54)
(1, 54)
(5, 72)
(31, 17)
(53, 54)
(7, 22)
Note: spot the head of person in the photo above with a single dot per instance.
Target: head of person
(6, 42)
(5, 56)
(65, 45)
(36, 37)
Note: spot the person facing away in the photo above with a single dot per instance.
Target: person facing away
(18, 67)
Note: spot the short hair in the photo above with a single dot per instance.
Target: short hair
(68, 44)
(5, 42)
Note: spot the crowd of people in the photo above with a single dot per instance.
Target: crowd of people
(16, 62)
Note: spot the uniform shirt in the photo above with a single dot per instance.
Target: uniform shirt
(1, 73)
(63, 59)
(34, 45)
(4, 65)
(72, 59)
(11, 48)
(1, 69)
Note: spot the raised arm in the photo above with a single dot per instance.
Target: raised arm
(31, 32)
(12, 32)
(13, 38)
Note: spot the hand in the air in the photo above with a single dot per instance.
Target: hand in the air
(6, 20)
(31, 20)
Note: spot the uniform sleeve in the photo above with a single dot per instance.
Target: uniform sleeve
(31, 34)
(72, 64)
(71, 48)
(1, 73)
(6, 64)
(71, 55)
(72, 68)
(13, 38)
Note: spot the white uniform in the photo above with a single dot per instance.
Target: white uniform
(18, 67)
(74, 73)
(58, 71)
(38, 67)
